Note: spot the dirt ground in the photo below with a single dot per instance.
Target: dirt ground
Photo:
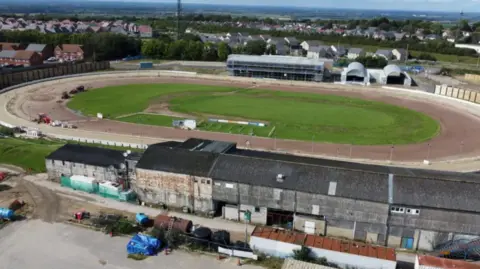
(458, 136)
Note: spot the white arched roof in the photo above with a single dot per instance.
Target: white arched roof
(356, 69)
(392, 70)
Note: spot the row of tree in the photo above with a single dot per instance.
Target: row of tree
(194, 50)
(97, 46)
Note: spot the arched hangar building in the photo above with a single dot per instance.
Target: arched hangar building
(389, 75)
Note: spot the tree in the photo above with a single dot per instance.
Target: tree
(223, 51)
(257, 47)
(426, 56)
(372, 62)
(209, 52)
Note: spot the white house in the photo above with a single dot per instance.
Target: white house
(320, 52)
(354, 53)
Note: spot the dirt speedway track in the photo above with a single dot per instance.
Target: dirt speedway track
(458, 138)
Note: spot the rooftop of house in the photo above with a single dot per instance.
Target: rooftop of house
(36, 47)
(24, 54)
(71, 48)
(88, 155)
(355, 50)
(436, 262)
(383, 52)
(316, 241)
(7, 53)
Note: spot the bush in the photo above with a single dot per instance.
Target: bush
(6, 131)
(427, 57)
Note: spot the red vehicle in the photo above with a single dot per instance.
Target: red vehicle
(3, 175)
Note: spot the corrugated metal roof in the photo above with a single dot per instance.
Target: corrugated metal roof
(436, 262)
(316, 241)
(295, 264)
(276, 59)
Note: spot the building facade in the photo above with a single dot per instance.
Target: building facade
(69, 52)
(391, 206)
(276, 67)
(98, 163)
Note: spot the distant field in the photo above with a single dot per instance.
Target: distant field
(31, 153)
(299, 116)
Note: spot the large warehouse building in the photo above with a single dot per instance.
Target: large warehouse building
(397, 207)
(278, 67)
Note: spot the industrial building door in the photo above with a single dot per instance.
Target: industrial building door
(407, 243)
(309, 227)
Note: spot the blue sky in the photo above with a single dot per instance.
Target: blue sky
(430, 5)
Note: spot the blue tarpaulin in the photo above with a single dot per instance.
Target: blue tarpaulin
(143, 244)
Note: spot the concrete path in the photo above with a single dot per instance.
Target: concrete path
(217, 223)
(35, 244)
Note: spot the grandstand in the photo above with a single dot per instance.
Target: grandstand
(278, 67)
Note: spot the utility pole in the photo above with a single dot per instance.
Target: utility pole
(179, 15)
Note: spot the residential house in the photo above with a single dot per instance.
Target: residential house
(400, 54)
(115, 29)
(338, 51)
(399, 36)
(27, 58)
(11, 46)
(432, 37)
(209, 38)
(321, 51)
(354, 53)
(6, 56)
(145, 31)
(310, 43)
(69, 52)
(294, 47)
(387, 54)
(265, 37)
(46, 51)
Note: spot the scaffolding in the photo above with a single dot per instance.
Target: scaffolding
(276, 67)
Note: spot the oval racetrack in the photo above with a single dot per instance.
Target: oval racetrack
(458, 139)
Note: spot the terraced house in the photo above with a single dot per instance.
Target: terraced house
(398, 207)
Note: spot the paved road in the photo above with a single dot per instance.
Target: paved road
(218, 224)
(35, 244)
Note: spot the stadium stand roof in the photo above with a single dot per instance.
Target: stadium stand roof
(88, 155)
(276, 59)
(356, 69)
(392, 69)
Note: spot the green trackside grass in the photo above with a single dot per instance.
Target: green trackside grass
(149, 119)
(31, 153)
(300, 116)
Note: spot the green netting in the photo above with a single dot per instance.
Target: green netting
(103, 190)
(108, 191)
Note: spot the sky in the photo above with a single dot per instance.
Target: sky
(420, 5)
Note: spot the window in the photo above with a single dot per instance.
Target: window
(195, 180)
(413, 211)
(203, 181)
(396, 209)
(63, 162)
(208, 181)
(257, 209)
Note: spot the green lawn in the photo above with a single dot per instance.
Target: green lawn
(31, 153)
(26, 153)
(300, 116)
(150, 119)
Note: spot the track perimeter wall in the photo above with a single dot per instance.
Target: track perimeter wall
(90, 137)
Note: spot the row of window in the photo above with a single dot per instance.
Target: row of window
(402, 210)
(202, 181)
